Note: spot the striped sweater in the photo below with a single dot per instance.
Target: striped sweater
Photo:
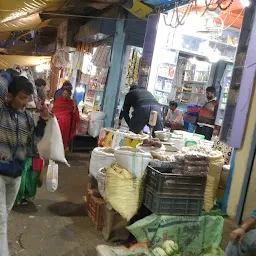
(18, 133)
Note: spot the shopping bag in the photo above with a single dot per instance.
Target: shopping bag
(51, 145)
(52, 176)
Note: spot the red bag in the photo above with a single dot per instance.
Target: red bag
(37, 164)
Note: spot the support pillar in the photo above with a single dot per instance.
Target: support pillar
(114, 76)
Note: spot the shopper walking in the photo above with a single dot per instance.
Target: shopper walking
(67, 113)
(207, 115)
(15, 136)
(66, 85)
(143, 102)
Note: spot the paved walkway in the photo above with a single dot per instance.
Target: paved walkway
(56, 223)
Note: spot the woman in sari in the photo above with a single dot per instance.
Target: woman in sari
(67, 113)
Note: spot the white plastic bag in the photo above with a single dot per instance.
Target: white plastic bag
(52, 176)
(97, 115)
(133, 160)
(95, 128)
(51, 145)
(101, 158)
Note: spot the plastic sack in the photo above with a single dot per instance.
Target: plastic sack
(97, 115)
(213, 179)
(124, 191)
(133, 160)
(52, 176)
(101, 158)
(106, 137)
(51, 145)
(83, 125)
(95, 128)
(101, 178)
(192, 233)
(105, 250)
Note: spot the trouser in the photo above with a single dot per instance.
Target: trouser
(9, 188)
(140, 118)
(205, 130)
(248, 245)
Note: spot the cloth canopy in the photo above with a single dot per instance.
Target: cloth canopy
(24, 14)
(7, 61)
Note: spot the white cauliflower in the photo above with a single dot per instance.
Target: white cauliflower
(170, 247)
(159, 252)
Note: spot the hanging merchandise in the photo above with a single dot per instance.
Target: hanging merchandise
(101, 57)
(60, 59)
(133, 68)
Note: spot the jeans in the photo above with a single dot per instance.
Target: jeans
(206, 131)
(9, 188)
(140, 118)
(248, 245)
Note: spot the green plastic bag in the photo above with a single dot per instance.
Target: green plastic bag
(192, 234)
(30, 180)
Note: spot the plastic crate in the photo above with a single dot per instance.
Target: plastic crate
(163, 181)
(172, 205)
(96, 210)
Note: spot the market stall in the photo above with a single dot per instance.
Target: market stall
(174, 176)
(185, 59)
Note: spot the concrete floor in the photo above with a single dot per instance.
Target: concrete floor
(56, 223)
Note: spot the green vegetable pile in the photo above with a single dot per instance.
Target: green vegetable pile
(169, 248)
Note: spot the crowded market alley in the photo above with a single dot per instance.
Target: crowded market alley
(127, 127)
(57, 223)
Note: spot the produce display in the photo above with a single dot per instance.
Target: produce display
(145, 172)
(192, 163)
(155, 142)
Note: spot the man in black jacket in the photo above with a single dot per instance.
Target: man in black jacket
(143, 102)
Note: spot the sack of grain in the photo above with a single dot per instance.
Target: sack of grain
(213, 179)
(124, 191)
(133, 160)
(100, 158)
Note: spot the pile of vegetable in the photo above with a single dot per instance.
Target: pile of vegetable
(152, 143)
(169, 248)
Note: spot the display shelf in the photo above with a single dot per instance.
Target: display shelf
(195, 82)
(163, 76)
(159, 90)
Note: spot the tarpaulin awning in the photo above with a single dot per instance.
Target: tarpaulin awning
(7, 61)
(24, 14)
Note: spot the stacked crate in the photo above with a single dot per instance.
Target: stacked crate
(167, 193)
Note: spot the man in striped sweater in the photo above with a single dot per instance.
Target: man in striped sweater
(18, 135)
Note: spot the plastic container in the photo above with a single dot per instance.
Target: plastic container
(96, 210)
(173, 205)
(162, 180)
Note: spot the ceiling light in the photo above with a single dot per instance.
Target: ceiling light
(245, 3)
